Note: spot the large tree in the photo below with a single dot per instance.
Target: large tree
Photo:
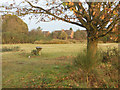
(98, 18)
(63, 36)
(12, 23)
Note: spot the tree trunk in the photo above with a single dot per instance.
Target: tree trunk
(91, 44)
(91, 48)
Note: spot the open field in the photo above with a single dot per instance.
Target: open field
(51, 69)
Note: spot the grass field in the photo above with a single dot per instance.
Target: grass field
(52, 69)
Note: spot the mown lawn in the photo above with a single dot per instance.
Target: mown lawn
(54, 68)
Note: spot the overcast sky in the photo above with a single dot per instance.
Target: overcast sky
(49, 26)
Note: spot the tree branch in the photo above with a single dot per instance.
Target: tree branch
(106, 32)
(108, 28)
(54, 7)
(49, 13)
(88, 19)
(108, 16)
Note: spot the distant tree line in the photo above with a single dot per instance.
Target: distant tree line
(36, 35)
(14, 30)
(30, 37)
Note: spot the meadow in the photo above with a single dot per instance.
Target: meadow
(52, 69)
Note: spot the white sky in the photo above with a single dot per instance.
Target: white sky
(50, 26)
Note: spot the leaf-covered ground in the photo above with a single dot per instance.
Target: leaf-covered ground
(54, 68)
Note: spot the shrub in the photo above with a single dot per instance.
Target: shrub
(56, 41)
(6, 49)
(99, 74)
(73, 41)
(34, 52)
(87, 65)
(109, 54)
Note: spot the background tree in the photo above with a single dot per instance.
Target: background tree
(71, 29)
(14, 30)
(93, 16)
(80, 35)
(56, 35)
(39, 28)
(14, 24)
(63, 36)
(37, 34)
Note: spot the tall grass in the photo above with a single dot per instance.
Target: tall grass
(86, 63)
(99, 69)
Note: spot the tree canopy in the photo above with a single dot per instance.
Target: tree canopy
(12, 23)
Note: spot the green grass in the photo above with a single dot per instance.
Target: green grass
(52, 69)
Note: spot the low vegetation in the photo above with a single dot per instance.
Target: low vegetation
(101, 72)
(58, 41)
(7, 49)
(52, 42)
(60, 66)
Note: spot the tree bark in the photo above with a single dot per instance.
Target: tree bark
(91, 47)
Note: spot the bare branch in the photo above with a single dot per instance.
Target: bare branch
(54, 7)
(106, 32)
(109, 29)
(49, 13)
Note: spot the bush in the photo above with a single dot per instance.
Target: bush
(10, 37)
(73, 41)
(34, 52)
(109, 54)
(99, 74)
(56, 41)
(6, 49)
